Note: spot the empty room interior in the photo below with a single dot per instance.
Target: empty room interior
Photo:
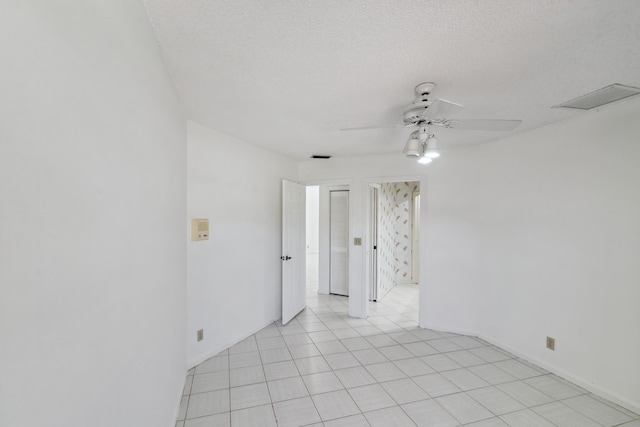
(320, 213)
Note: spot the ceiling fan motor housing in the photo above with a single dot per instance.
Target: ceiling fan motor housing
(415, 113)
(424, 89)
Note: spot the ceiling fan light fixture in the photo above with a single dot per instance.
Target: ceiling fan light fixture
(423, 134)
(413, 147)
(431, 149)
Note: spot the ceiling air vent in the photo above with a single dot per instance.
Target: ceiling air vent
(320, 156)
(600, 97)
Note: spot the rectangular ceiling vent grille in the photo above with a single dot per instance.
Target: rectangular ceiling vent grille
(600, 97)
(320, 156)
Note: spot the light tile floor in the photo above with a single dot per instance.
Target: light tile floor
(326, 369)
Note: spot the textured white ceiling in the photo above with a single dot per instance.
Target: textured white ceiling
(288, 74)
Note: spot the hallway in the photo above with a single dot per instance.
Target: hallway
(327, 369)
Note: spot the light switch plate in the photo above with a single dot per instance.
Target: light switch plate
(357, 241)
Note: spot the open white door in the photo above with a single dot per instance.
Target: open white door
(294, 287)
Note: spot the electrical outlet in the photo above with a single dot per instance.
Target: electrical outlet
(551, 343)
(200, 334)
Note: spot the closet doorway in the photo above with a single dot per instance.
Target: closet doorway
(339, 242)
(328, 239)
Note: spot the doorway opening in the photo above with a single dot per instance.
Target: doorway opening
(390, 266)
(313, 238)
(394, 224)
(327, 244)
(339, 242)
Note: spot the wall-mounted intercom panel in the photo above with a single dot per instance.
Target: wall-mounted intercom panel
(199, 229)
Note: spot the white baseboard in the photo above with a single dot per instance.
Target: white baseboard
(385, 292)
(447, 329)
(176, 411)
(599, 391)
(224, 345)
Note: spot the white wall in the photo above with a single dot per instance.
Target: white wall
(93, 207)
(559, 241)
(313, 236)
(313, 219)
(529, 236)
(449, 249)
(234, 278)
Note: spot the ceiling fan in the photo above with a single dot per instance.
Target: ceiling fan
(423, 113)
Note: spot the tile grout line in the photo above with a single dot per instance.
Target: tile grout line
(229, 370)
(273, 409)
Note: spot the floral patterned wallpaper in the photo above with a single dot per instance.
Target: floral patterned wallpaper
(386, 238)
(403, 221)
(394, 234)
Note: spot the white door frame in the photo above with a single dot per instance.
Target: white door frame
(367, 268)
(324, 249)
(373, 241)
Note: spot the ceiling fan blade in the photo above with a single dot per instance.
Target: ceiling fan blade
(441, 109)
(480, 124)
(375, 127)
